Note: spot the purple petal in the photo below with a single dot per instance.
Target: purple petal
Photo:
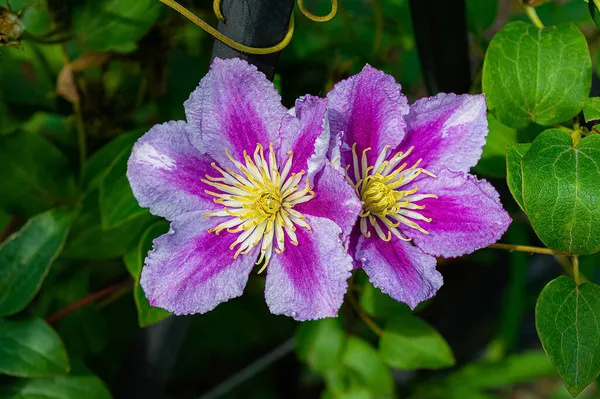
(447, 131)
(399, 269)
(309, 281)
(368, 109)
(235, 107)
(466, 216)
(334, 199)
(307, 135)
(191, 270)
(165, 169)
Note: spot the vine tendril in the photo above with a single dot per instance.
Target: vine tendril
(316, 18)
(241, 47)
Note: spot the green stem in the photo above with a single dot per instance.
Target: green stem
(532, 14)
(576, 275)
(597, 3)
(527, 248)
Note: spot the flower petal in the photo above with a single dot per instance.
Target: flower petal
(466, 216)
(334, 199)
(447, 131)
(235, 107)
(306, 134)
(191, 270)
(308, 282)
(399, 269)
(164, 171)
(368, 108)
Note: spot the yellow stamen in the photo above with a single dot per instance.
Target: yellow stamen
(382, 190)
(259, 202)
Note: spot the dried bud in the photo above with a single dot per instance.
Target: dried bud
(11, 28)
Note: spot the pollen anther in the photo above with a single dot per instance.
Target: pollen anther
(259, 202)
(387, 202)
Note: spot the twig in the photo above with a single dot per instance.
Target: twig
(251, 370)
(87, 300)
(576, 275)
(364, 316)
(527, 248)
(532, 14)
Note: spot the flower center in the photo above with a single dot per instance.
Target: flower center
(383, 192)
(259, 203)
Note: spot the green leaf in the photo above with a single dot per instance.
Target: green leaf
(78, 386)
(27, 74)
(134, 260)
(536, 75)
(514, 170)
(108, 24)
(378, 304)
(561, 191)
(484, 375)
(102, 162)
(117, 203)
(88, 239)
(27, 256)
(591, 109)
(362, 359)
(30, 348)
(409, 343)
(320, 343)
(481, 14)
(492, 161)
(567, 320)
(35, 175)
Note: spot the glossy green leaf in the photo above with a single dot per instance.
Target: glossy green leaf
(78, 386)
(514, 170)
(362, 359)
(536, 75)
(134, 260)
(35, 175)
(27, 74)
(378, 304)
(561, 191)
(492, 162)
(320, 343)
(409, 343)
(567, 320)
(117, 203)
(591, 109)
(108, 24)
(26, 257)
(89, 240)
(103, 160)
(484, 376)
(30, 348)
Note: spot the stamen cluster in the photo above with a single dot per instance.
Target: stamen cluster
(385, 198)
(259, 202)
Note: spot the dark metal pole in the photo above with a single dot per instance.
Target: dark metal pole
(256, 23)
(441, 34)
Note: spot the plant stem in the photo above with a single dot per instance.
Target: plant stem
(576, 275)
(364, 316)
(87, 300)
(527, 248)
(532, 14)
(81, 140)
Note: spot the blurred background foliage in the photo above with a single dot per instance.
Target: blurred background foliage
(86, 80)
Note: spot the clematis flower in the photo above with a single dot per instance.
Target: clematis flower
(245, 182)
(409, 166)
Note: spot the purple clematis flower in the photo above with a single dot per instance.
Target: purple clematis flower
(243, 182)
(409, 167)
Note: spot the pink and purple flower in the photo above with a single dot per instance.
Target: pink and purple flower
(245, 181)
(409, 165)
